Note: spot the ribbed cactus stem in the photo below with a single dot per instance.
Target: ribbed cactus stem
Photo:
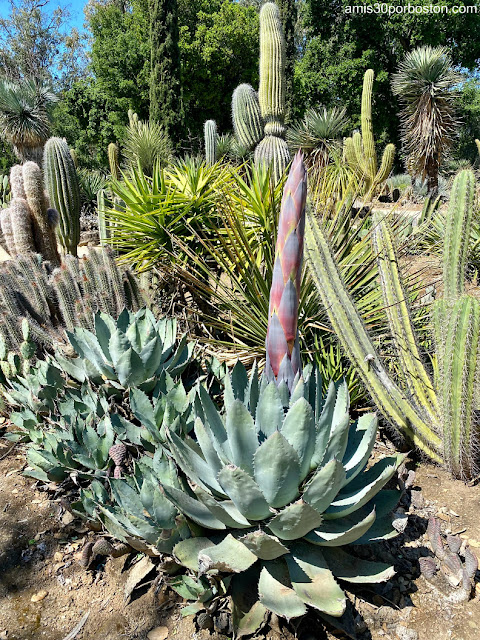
(246, 115)
(16, 182)
(477, 142)
(457, 234)
(113, 160)
(43, 231)
(63, 189)
(360, 150)
(457, 380)
(282, 345)
(103, 231)
(370, 154)
(21, 221)
(7, 231)
(210, 137)
(272, 152)
(411, 368)
(350, 330)
(271, 92)
(386, 164)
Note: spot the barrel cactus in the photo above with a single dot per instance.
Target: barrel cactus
(279, 484)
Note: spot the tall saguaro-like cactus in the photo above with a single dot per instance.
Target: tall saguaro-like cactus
(63, 189)
(360, 150)
(439, 418)
(252, 113)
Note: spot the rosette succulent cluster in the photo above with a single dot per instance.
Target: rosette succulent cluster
(279, 483)
(131, 351)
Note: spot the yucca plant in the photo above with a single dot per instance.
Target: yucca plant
(24, 116)
(438, 416)
(147, 144)
(426, 84)
(152, 211)
(316, 135)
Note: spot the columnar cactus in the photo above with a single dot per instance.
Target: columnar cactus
(44, 219)
(247, 117)
(268, 110)
(63, 189)
(113, 160)
(210, 136)
(440, 419)
(282, 346)
(360, 149)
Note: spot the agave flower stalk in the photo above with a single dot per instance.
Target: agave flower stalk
(282, 345)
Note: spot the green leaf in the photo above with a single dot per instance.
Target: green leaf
(192, 508)
(186, 551)
(364, 487)
(299, 430)
(224, 510)
(295, 521)
(269, 416)
(276, 593)
(264, 546)
(313, 581)
(360, 445)
(244, 492)
(352, 569)
(336, 533)
(322, 489)
(241, 434)
(324, 427)
(192, 464)
(230, 556)
(248, 614)
(277, 470)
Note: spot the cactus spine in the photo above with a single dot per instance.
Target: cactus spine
(360, 148)
(419, 409)
(113, 160)
(64, 191)
(250, 113)
(210, 135)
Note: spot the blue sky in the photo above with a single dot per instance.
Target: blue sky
(75, 8)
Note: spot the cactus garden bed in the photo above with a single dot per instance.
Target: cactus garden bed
(40, 552)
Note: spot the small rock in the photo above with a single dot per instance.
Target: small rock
(3, 635)
(67, 518)
(406, 634)
(418, 501)
(159, 633)
(40, 595)
(58, 556)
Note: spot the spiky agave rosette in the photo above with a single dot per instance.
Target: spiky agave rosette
(282, 345)
(279, 484)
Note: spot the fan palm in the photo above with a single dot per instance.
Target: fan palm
(425, 84)
(24, 116)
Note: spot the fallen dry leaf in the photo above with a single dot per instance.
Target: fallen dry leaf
(137, 574)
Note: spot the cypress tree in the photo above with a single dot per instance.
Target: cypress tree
(165, 87)
(288, 14)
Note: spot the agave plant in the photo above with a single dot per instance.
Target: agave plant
(130, 351)
(425, 84)
(280, 485)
